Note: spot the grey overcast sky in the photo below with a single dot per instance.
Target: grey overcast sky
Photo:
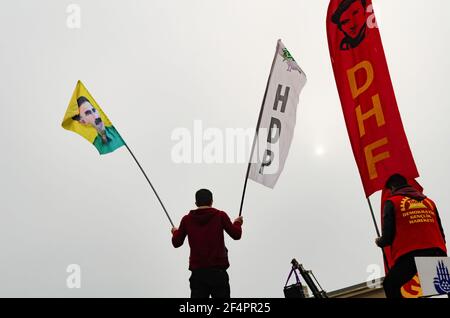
(158, 65)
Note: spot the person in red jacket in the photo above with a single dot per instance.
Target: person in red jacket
(208, 259)
(412, 228)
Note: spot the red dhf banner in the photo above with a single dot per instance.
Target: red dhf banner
(367, 96)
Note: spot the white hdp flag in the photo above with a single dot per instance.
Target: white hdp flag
(277, 118)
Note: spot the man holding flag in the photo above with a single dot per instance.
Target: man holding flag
(208, 260)
(412, 228)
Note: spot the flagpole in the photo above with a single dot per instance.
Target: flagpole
(255, 138)
(151, 185)
(257, 130)
(373, 217)
(378, 232)
(250, 161)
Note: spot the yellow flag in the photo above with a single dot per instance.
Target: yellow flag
(85, 117)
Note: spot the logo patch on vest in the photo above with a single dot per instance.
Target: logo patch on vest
(411, 204)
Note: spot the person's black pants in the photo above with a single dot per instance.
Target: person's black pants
(209, 282)
(404, 270)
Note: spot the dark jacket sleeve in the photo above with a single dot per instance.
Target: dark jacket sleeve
(440, 225)
(388, 234)
(234, 230)
(179, 235)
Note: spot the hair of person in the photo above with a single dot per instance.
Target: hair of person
(396, 181)
(203, 197)
(343, 6)
(80, 101)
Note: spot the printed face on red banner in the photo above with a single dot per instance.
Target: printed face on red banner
(367, 96)
(350, 17)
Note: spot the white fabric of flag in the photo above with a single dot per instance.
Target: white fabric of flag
(277, 120)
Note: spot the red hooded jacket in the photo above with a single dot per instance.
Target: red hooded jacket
(204, 229)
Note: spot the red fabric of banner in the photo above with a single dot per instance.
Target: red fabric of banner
(367, 96)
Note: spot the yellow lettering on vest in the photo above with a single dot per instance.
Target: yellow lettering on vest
(351, 74)
(373, 160)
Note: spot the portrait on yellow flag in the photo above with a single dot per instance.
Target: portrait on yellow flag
(85, 117)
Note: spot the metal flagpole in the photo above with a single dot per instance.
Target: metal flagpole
(151, 185)
(257, 130)
(378, 232)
